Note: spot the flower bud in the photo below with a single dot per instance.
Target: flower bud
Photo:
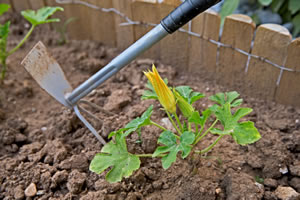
(164, 94)
(186, 108)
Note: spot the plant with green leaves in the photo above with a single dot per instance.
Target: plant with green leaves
(62, 30)
(222, 119)
(289, 10)
(35, 18)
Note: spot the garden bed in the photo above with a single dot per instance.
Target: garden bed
(45, 144)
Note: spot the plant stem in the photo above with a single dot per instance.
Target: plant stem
(178, 121)
(22, 41)
(173, 123)
(157, 125)
(199, 133)
(189, 126)
(207, 149)
(197, 128)
(149, 155)
(3, 71)
(205, 133)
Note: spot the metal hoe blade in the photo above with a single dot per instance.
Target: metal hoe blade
(49, 75)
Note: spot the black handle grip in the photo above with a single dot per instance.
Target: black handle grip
(185, 12)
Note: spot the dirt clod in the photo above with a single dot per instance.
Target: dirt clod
(75, 162)
(286, 193)
(59, 177)
(269, 182)
(295, 183)
(295, 169)
(117, 100)
(239, 185)
(19, 192)
(76, 181)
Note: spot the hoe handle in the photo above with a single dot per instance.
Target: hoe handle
(180, 16)
(185, 12)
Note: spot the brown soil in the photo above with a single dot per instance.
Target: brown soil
(45, 144)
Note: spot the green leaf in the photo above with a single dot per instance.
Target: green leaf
(276, 5)
(220, 132)
(195, 96)
(184, 91)
(172, 148)
(231, 97)
(241, 112)
(201, 120)
(237, 103)
(41, 16)
(150, 93)
(296, 23)
(228, 8)
(187, 93)
(228, 120)
(4, 30)
(218, 98)
(120, 131)
(246, 133)
(224, 115)
(139, 122)
(294, 6)
(265, 2)
(4, 8)
(116, 156)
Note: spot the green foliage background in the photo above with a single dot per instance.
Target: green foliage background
(289, 10)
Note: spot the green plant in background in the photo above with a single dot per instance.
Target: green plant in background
(63, 30)
(289, 10)
(191, 128)
(34, 17)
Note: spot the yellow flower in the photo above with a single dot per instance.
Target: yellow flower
(165, 95)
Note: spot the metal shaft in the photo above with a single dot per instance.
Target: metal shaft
(144, 43)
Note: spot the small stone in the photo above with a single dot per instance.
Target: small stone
(167, 124)
(260, 186)
(30, 191)
(286, 193)
(218, 190)
(284, 170)
(40, 192)
(44, 129)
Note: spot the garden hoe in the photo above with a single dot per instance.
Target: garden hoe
(47, 72)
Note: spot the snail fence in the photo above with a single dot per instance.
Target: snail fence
(262, 61)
